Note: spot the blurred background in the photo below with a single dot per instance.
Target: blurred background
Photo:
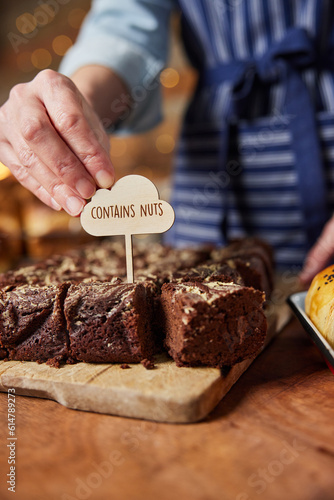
(35, 35)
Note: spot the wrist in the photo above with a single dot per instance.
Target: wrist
(103, 90)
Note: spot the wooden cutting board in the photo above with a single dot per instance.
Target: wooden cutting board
(164, 394)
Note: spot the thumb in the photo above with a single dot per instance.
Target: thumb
(320, 253)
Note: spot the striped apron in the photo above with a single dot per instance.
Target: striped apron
(256, 153)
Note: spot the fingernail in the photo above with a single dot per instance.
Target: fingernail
(74, 205)
(85, 188)
(55, 205)
(104, 179)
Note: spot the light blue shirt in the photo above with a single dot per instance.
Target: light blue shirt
(131, 37)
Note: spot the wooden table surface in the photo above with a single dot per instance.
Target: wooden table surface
(271, 437)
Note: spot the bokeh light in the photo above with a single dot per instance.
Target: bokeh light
(61, 44)
(165, 143)
(75, 18)
(140, 236)
(169, 78)
(26, 23)
(4, 171)
(24, 63)
(41, 58)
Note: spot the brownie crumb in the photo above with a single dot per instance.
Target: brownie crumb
(54, 362)
(125, 366)
(148, 364)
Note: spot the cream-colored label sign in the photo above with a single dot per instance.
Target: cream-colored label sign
(131, 206)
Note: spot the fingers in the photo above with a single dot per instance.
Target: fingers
(39, 148)
(78, 127)
(319, 254)
(56, 194)
(26, 180)
(54, 143)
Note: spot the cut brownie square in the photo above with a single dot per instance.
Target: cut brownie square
(212, 324)
(253, 273)
(252, 258)
(61, 268)
(206, 273)
(110, 323)
(32, 323)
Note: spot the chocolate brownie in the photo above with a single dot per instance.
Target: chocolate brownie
(253, 272)
(212, 324)
(206, 273)
(110, 323)
(104, 320)
(32, 323)
(59, 269)
(252, 258)
(32, 275)
(252, 246)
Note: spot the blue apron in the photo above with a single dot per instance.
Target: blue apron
(255, 154)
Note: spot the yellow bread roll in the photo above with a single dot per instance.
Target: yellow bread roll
(319, 303)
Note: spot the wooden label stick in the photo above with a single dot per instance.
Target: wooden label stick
(129, 257)
(131, 206)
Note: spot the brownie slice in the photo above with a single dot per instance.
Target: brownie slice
(28, 275)
(253, 273)
(212, 324)
(252, 258)
(59, 269)
(32, 323)
(110, 323)
(206, 273)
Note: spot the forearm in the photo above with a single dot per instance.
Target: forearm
(105, 91)
(131, 38)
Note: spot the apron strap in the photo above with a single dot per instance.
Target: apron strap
(282, 63)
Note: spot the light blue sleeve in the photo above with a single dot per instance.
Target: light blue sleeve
(131, 37)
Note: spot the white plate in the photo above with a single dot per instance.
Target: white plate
(297, 303)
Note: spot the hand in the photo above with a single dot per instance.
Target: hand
(319, 255)
(54, 143)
